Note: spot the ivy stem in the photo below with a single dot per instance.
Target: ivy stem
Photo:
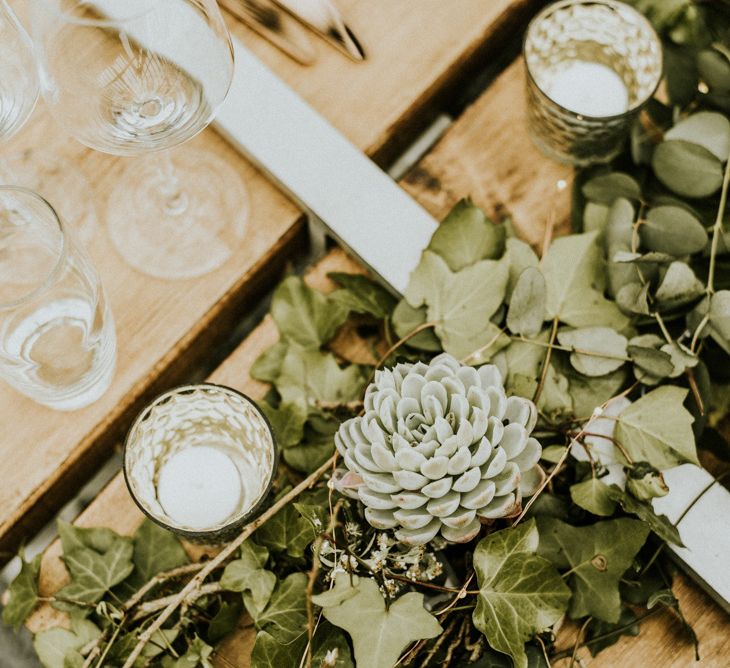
(546, 363)
(578, 640)
(197, 581)
(717, 230)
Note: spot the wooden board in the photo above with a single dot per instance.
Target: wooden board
(491, 174)
(165, 328)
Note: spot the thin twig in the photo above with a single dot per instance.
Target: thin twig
(133, 600)
(150, 607)
(546, 363)
(211, 565)
(717, 230)
(578, 640)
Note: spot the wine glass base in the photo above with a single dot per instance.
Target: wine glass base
(180, 216)
(60, 183)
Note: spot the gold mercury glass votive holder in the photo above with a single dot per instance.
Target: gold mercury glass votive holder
(591, 66)
(200, 461)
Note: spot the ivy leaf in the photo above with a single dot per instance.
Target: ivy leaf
(659, 524)
(305, 316)
(672, 230)
(99, 539)
(330, 650)
(362, 295)
(599, 628)
(593, 496)
(386, 633)
(705, 128)
(520, 256)
(267, 366)
(308, 376)
(225, 620)
(156, 550)
(462, 303)
(406, 319)
(602, 349)
(285, 616)
(287, 422)
(604, 189)
(597, 556)
(520, 593)
(287, 531)
(248, 575)
(23, 592)
(687, 169)
(53, 645)
(94, 574)
(466, 236)
(197, 656)
(657, 428)
(571, 268)
(526, 311)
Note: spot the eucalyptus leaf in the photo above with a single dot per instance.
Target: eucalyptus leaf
(386, 632)
(643, 258)
(466, 236)
(597, 556)
(714, 68)
(634, 298)
(657, 428)
(526, 311)
(520, 593)
(362, 295)
(705, 128)
(656, 363)
(597, 350)
(687, 169)
(593, 496)
(672, 230)
(571, 268)
(520, 256)
(305, 316)
(156, 550)
(462, 303)
(720, 313)
(595, 217)
(605, 188)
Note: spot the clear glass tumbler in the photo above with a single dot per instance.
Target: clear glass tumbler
(591, 66)
(57, 336)
(200, 461)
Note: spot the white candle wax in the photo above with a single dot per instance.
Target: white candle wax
(591, 89)
(199, 487)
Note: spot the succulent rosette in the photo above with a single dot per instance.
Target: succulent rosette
(439, 449)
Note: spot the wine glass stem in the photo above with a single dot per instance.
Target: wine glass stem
(174, 197)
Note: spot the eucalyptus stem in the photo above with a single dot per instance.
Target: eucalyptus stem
(717, 230)
(197, 581)
(546, 363)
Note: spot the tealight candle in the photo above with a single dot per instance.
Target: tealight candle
(591, 89)
(200, 460)
(591, 65)
(199, 487)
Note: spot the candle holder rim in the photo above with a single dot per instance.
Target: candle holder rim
(241, 521)
(615, 4)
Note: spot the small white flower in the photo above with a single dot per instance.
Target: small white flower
(330, 659)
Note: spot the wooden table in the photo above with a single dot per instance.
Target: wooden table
(486, 155)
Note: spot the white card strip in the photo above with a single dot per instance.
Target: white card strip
(360, 204)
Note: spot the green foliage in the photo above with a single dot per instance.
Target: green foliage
(23, 592)
(362, 295)
(596, 556)
(520, 593)
(379, 635)
(155, 550)
(248, 575)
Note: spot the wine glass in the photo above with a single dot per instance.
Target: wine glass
(132, 77)
(35, 169)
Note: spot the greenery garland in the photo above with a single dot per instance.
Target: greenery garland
(619, 334)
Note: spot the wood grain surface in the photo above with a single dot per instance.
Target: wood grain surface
(417, 52)
(472, 158)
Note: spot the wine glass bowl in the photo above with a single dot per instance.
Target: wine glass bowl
(133, 76)
(18, 77)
